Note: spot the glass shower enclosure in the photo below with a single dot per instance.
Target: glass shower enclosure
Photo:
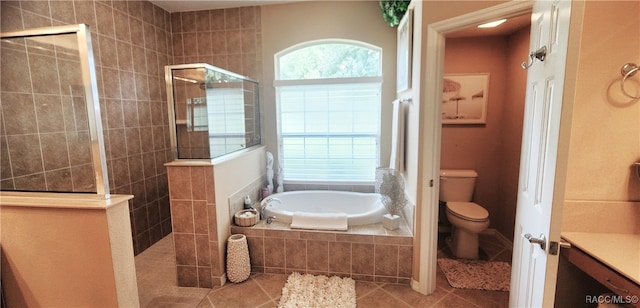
(50, 125)
(212, 112)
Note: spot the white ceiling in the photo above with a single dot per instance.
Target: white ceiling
(511, 25)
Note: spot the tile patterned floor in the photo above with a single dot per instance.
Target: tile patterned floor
(155, 268)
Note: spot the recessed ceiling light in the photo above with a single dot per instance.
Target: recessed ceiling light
(492, 24)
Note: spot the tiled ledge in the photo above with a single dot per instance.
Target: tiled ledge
(61, 200)
(362, 230)
(368, 253)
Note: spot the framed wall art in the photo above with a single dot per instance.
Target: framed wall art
(405, 38)
(464, 98)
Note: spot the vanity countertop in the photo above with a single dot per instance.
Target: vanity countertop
(621, 252)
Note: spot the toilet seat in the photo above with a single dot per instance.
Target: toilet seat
(469, 211)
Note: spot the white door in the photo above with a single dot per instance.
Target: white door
(533, 278)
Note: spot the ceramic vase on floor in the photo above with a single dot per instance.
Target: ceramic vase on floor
(238, 263)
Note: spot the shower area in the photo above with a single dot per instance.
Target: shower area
(213, 111)
(61, 226)
(73, 122)
(214, 117)
(50, 130)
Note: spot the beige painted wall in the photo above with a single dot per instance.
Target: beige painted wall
(230, 175)
(285, 25)
(493, 149)
(67, 250)
(605, 132)
(605, 136)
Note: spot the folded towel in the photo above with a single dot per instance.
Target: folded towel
(319, 221)
(396, 160)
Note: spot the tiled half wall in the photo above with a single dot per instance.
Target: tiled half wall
(195, 232)
(201, 215)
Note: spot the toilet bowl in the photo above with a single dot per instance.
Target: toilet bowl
(468, 219)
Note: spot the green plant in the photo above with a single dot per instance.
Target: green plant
(393, 10)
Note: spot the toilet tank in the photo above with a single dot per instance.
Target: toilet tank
(457, 184)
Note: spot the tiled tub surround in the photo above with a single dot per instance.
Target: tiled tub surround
(366, 253)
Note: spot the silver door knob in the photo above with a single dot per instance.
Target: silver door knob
(542, 241)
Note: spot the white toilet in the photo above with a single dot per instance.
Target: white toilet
(468, 219)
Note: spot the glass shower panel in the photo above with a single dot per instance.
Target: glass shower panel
(226, 118)
(44, 131)
(215, 112)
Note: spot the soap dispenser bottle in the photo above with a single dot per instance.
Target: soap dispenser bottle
(247, 203)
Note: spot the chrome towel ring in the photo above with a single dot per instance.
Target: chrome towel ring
(627, 71)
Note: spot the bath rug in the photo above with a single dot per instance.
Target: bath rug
(318, 292)
(476, 274)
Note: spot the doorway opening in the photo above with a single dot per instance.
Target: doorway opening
(491, 148)
(436, 36)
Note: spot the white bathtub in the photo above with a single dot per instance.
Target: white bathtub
(360, 208)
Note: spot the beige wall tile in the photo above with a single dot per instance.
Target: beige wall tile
(295, 254)
(187, 276)
(185, 248)
(365, 254)
(274, 252)
(317, 256)
(182, 216)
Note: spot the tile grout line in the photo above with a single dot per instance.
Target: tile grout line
(452, 293)
(265, 291)
(394, 296)
(370, 291)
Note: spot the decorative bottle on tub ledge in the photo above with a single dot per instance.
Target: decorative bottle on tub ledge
(280, 181)
(270, 172)
(247, 203)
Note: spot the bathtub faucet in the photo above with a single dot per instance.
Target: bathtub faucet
(269, 200)
(270, 219)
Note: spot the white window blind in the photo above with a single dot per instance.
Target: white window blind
(197, 114)
(328, 97)
(226, 120)
(329, 131)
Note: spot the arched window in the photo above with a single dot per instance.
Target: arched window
(328, 96)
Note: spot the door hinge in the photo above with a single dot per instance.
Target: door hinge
(431, 183)
(553, 248)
